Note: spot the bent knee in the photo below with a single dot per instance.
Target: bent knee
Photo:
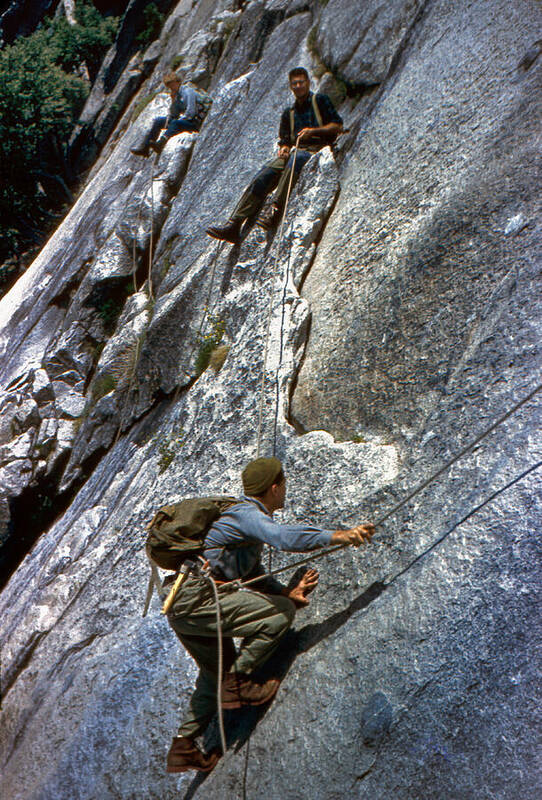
(286, 612)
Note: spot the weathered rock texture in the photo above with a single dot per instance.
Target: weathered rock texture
(402, 323)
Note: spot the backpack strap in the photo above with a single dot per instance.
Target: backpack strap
(292, 125)
(316, 110)
(154, 583)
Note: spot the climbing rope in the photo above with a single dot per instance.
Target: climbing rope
(463, 519)
(151, 236)
(220, 648)
(268, 329)
(270, 309)
(329, 550)
(134, 247)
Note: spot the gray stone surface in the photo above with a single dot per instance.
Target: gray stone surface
(359, 42)
(402, 322)
(433, 285)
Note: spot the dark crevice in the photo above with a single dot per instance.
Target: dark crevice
(39, 506)
(65, 296)
(290, 418)
(32, 513)
(108, 299)
(19, 665)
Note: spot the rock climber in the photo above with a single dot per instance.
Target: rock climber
(315, 121)
(186, 113)
(260, 615)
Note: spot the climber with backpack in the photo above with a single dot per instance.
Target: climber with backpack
(188, 108)
(218, 542)
(311, 124)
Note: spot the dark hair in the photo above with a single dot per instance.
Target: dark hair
(279, 478)
(298, 71)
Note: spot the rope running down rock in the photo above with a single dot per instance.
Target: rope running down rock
(220, 662)
(327, 551)
(270, 309)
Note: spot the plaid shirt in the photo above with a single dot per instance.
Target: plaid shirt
(304, 117)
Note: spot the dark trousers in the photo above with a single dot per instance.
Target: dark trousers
(175, 126)
(273, 175)
(260, 620)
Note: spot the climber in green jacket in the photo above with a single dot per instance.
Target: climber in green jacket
(314, 121)
(260, 614)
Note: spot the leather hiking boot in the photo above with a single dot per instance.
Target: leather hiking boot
(269, 218)
(159, 144)
(184, 755)
(230, 232)
(239, 690)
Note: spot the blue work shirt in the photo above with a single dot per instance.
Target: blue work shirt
(184, 105)
(244, 528)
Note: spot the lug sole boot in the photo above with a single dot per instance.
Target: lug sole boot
(184, 755)
(230, 232)
(269, 219)
(239, 690)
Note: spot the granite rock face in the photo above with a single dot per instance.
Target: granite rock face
(394, 323)
(360, 44)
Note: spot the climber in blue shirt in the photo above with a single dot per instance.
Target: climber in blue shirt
(185, 115)
(315, 123)
(259, 615)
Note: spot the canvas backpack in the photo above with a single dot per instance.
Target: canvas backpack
(177, 531)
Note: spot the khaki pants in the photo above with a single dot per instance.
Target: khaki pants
(273, 175)
(260, 619)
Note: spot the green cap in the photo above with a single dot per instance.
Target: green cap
(260, 474)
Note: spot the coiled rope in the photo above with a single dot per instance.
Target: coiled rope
(220, 647)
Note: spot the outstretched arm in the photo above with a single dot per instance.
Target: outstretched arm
(354, 536)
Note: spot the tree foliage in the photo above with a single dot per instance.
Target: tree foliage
(153, 20)
(42, 90)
